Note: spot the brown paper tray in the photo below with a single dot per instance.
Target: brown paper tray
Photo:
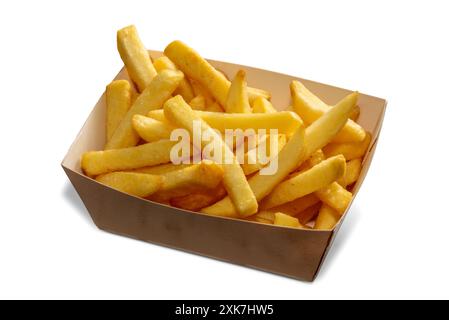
(287, 251)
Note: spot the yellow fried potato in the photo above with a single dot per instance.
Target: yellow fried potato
(153, 97)
(262, 185)
(354, 116)
(118, 102)
(237, 99)
(184, 88)
(254, 93)
(197, 68)
(135, 57)
(323, 130)
(327, 218)
(214, 107)
(307, 215)
(297, 206)
(353, 169)
(335, 196)
(151, 130)
(281, 219)
(199, 90)
(198, 103)
(306, 182)
(310, 108)
(285, 122)
(262, 105)
(199, 200)
(253, 162)
(178, 112)
(136, 184)
(150, 154)
(313, 160)
(349, 150)
(162, 168)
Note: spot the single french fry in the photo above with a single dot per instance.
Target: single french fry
(327, 218)
(285, 122)
(307, 215)
(151, 130)
(135, 57)
(177, 111)
(349, 150)
(162, 168)
(310, 108)
(153, 97)
(281, 219)
(184, 88)
(262, 185)
(335, 196)
(237, 99)
(149, 154)
(297, 206)
(199, 200)
(136, 184)
(355, 114)
(323, 130)
(197, 68)
(118, 101)
(198, 103)
(353, 169)
(306, 182)
(262, 105)
(252, 162)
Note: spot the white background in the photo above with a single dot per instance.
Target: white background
(56, 58)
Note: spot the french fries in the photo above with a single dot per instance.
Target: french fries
(237, 100)
(118, 101)
(349, 150)
(197, 68)
(150, 154)
(184, 88)
(153, 97)
(318, 156)
(135, 57)
(136, 184)
(306, 182)
(177, 111)
(281, 219)
(285, 122)
(310, 108)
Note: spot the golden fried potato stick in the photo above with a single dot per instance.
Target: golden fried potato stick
(297, 206)
(294, 153)
(198, 103)
(327, 218)
(153, 97)
(355, 114)
(197, 68)
(310, 108)
(184, 88)
(306, 182)
(118, 101)
(237, 99)
(349, 150)
(288, 159)
(323, 130)
(178, 112)
(162, 168)
(136, 184)
(281, 219)
(135, 56)
(199, 200)
(150, 154)
(313, 160)
(151, 130)
(262, 105)
(307, 215)
(286, 122)
(335, 196)
(353, 169)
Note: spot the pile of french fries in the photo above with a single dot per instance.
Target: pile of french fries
(319, 154)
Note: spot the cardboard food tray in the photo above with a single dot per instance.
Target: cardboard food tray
(290, 252)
